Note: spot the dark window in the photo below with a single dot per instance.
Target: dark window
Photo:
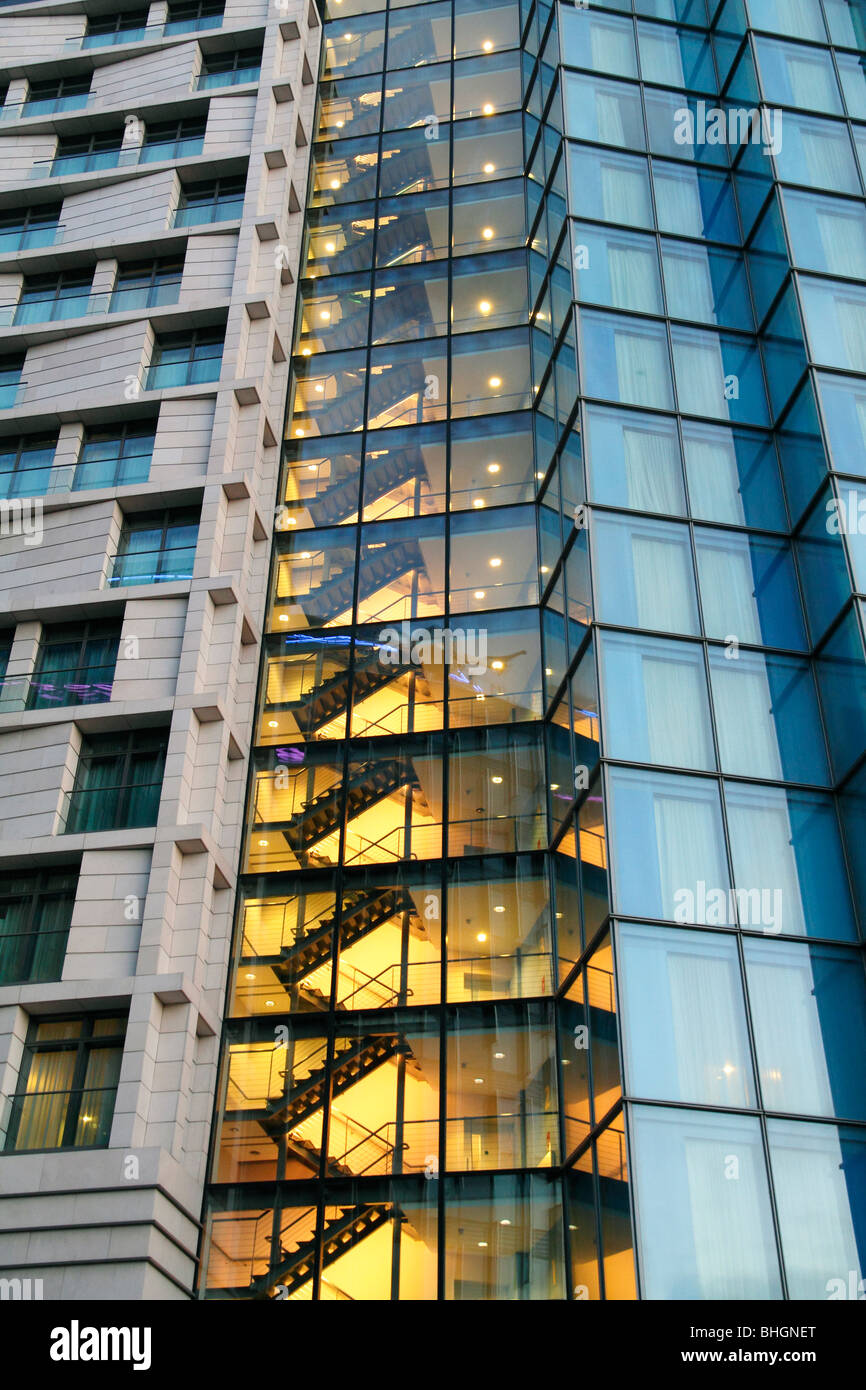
(147, 284)
(118, 28)
(57, 94)
(75, 665)
(230, 69)
(156, 548)
(25, 465)
(69, 1081)
(185, 359)
(10, 380)
(5, 652)
(119, 781)
(19, 231)
(217, 200)
(171, 139)
(48, 297)
(35, 913)
(115, 455)
(194, 14)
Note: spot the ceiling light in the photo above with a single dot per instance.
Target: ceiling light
(540, 477)
(544, 569)
(479, 593)
(325, 315)
(284, 617)
(554, 786)
(263, 844)
(479, 1081)
(478, 502)
(249, 976)
(488, 168)
(495, 562)
(498, 665)
(340, 125)
(499, 1056)
(485, 306)
(330, 246)
(269, 1003)
(482, 936)
(305, 554)
(487, 109)
(299, 434)
(548, 670)
(320, 387)
(497, 781)
(482, 1245)
(272, 724)
(487, 45)
(505, 1222)
(493, 468)
(487, 233)
(499, 907)
(305, 352)
(335, 183)
(347, 37)
(495, 382)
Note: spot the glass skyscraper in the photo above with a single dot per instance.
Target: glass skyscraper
(547, 978)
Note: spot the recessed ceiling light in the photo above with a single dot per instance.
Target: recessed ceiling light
(347, 37)
(548, 670)
(497, 665)
(482, 936)
(263, 844)
(284, 617)
(299, 434)
(487, 109)
(269, 1003)
(249, 976)
(488, 168)
(485, 306)
(305, 555)
(479, 593)
(505, 1222)
(497, 781)
(482, 1245)
(479, 1081)
(320, 387)
(487, 45)
(499, 1056)
(499, 907)
(487, 233)
(325, 315)
(305, 352)
(335, 183)
(544, 569)
(330, 246)
(340, 125)
(495, 562)
(495, 382)
(554, 786)
(478, 502)
(272, 724)
(493, 468)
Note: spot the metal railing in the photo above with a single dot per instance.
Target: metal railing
(38, 1118)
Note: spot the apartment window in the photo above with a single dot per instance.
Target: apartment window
(194, 14)
(173, 139)
(10, 380)
(25, 465)
(156, 548)
(19, 231)
(118, 28)
(57, 94)
(75, 665)
(115, 456)
(230, 69)
(185, 359)
(119, 781)
(81, 154)
(35, 913)
(217, 200)
(69, 1082)
(45, 298)
(147, 284)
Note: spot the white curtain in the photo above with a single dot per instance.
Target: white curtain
(652, 471)
(624, 195)
(727, 592)
(689, 286)
(612, 48)
(788, 1038)
(675, 700)
(714, 478)
(763, 855)
(817, 1226)
(700, 377)
(828, 160)
(641, 368)
(851, 314)
(729, 1219)
(707, 1016)
(812, 83)
(608, 114)
(844, 243)
(633, 279)
(679, 203)
(744, 717)
(663, 584)
(661, 60)
(688, 835)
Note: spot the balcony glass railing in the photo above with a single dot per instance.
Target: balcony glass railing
(166, 375)
(14, 239)
(90, 161)
(10, 393)
(198, 214)
(38, 1119)
(152, 567)
(233, 77)
(189, 26)
(144, 296)
(112, 808)
(43, 106)
(48, 310)
(131, 35)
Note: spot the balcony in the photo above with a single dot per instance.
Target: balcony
(47, 106)
(89, 161)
